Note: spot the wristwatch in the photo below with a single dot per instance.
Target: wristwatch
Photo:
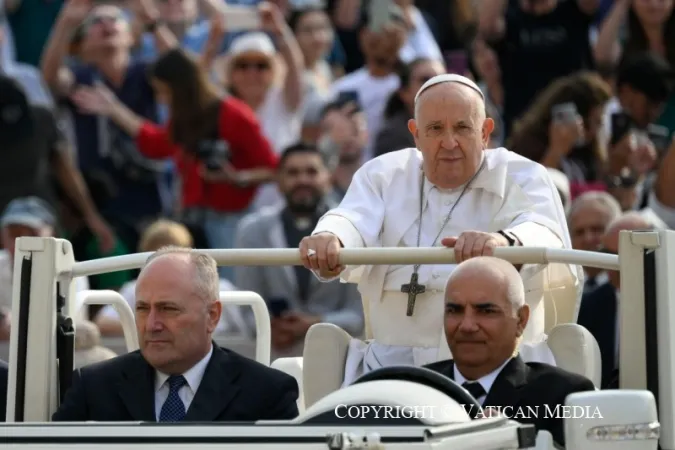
(510, 238)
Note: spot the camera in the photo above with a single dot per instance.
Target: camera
(213, 153)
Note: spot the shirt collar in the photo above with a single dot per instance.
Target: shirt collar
(601, 278)
(486, 381)
(193, 376)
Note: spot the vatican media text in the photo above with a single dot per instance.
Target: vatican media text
(444, 412)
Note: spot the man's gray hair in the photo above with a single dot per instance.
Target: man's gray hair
(495, 267)
(206, 281)
(603, 198)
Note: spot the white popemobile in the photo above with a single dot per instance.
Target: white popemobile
(42, 347)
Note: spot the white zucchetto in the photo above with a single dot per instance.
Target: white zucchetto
(449, 78)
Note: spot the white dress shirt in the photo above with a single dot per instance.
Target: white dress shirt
(486, 381)
(187, 393)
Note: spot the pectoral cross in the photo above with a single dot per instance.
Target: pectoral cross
(412, 289)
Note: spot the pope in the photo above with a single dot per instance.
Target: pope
(451, 191)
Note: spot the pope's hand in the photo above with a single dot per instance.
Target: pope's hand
(322, 252)
(474, 243)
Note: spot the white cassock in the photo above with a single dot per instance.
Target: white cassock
(381, 209)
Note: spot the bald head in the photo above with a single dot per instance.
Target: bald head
(485, 314)
(454, 94)
(630, 221)
(202, 269)
(492, 270)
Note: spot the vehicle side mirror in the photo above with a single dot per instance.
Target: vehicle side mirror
(598, 420)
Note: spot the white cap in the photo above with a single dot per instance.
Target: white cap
(449, 78)
(253, 42)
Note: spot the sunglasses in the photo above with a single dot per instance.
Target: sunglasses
(245, 65)
(103, 18)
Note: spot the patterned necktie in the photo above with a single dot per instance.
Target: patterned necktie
(474, 388)
(173, 409)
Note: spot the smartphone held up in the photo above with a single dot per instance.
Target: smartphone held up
(241, 18)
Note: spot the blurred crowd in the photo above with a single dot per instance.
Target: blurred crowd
(131, 125)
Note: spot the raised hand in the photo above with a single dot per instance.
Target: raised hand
(271, 18)
(564, 136)
(95, 100)
(75, 11)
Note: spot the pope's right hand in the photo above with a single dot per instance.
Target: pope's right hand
(321, 252)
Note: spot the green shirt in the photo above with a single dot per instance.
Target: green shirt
(109, 280)
(667, 118)
(31, 24)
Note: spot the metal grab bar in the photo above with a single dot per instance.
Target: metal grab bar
(234, 298)
(123, 309)
(361, 256)
(262, 320)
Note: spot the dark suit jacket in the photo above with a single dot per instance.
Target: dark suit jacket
(598, 314)
(233, 388)
(4, 379)
(523, 385)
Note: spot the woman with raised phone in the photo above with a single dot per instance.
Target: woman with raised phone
(216, 140)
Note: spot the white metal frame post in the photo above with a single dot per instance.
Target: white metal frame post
(633, 370)
(49, 257)
(632, 357)
(665, 294)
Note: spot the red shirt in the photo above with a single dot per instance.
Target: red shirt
(239, 127)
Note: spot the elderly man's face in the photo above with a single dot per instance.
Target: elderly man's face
(174, 324)
(480, 324)
(588, 224)
(451, 132)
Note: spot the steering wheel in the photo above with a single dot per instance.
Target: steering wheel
(428, 378)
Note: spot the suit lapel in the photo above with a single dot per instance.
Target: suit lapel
(278, 240)
(216, 390)
(137, 389)
(506, 388)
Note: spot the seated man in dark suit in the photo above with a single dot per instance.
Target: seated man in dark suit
(599, 312)
(4, 379)
(179, 374)
(485, 315)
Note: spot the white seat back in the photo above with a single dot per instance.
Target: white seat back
(326, 345)
(293, 367)
(324, 358)
(576, 350)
